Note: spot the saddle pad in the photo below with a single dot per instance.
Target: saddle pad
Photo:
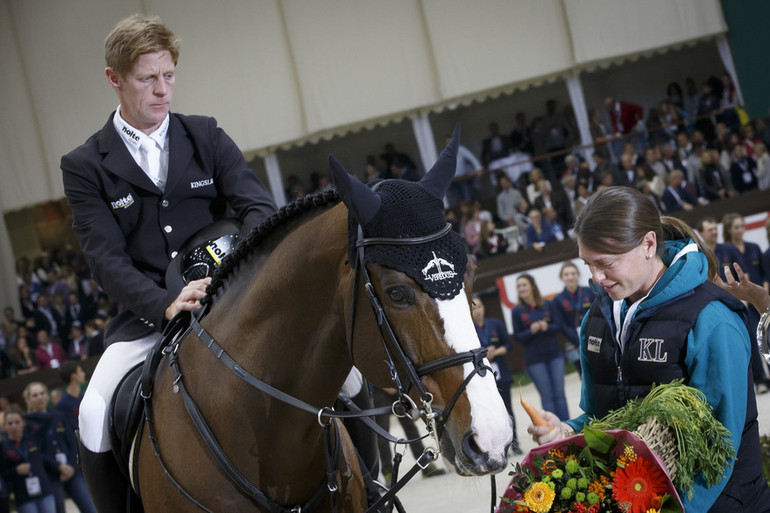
(125, 414)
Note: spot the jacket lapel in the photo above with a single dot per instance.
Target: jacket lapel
(180, 152)
(119, 161)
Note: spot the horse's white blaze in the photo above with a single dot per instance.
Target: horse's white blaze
(490, 419)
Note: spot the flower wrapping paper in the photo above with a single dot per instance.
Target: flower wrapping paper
(640, 447)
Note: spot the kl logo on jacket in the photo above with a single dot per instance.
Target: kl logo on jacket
(650, 350)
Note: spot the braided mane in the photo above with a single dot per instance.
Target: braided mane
(285, 214)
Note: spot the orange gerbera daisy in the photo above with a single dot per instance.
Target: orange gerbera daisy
(638, 484)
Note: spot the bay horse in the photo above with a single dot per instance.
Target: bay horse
(292, 308)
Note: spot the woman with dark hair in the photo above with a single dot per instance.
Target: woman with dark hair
(535, 328)
(733, 228)
(657, 318)
(27, 466)
(571, 304)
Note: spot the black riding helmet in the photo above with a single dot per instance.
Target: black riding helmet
(202, 253)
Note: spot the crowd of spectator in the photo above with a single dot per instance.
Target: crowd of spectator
(63, 315)
(693, 148)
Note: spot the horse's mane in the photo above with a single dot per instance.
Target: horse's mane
(285, 214)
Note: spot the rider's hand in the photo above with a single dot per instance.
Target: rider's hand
(556, 430)
(189, 299)
(23, 469)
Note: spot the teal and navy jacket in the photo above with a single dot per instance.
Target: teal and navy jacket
(708, 346)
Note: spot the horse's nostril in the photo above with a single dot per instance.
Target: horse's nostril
(471, 448)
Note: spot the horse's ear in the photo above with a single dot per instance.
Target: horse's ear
(437, 180)
(361, 201)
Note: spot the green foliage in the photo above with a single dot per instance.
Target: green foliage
(702, 441)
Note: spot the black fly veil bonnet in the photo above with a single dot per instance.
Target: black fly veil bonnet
(432, 253)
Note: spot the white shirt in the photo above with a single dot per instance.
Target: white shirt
(150, 152)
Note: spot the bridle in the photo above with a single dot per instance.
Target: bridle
(404, 405)
(435, 418)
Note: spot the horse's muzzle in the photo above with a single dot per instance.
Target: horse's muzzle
(471, 460)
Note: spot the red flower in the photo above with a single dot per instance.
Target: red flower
(638, 484)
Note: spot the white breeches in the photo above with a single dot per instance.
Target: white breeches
(117, 360)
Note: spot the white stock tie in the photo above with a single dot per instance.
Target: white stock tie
(151, 162)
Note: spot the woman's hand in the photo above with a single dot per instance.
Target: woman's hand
(556, 430)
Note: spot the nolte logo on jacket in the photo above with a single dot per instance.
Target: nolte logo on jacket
(122, 202)
(201, 183)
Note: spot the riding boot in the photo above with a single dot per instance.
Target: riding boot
(109, 489)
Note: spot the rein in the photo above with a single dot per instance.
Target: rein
(435, 418)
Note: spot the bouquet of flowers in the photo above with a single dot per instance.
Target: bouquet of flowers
(594, 472)
(608, 468)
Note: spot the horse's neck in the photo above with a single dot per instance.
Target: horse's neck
(285, 319)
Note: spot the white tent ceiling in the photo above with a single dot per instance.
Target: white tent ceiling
(277, 73)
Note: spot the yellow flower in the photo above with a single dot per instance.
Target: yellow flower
(539, 497)
(653, 510)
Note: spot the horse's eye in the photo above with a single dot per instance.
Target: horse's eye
(398, 295)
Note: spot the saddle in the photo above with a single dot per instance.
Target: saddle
(126, 411)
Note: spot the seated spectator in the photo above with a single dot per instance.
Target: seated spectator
(400, 170)
(708, 103)
(549, 216)
(50, 355)
(46, 318)
(743, 170)
(9, 323)
(750, 140)
(669, 158)
(763, 167)
(472, 230)
(23, 359)
(521, 136)
(26, 302)
(467, 166)
(644, 187)
(491, 243)
(294, 188)
(533, 189)
(602, 168)
(581, 198)
(726, 254)
(508, 201)
(94, 338)
(676, 197)
(539, 232)
(711, 178)
(371, 172)
(556, 199)
(626, 172)
(495, 146)
(391, 155)
(78, 349)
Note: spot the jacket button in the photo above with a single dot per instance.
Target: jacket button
(167, 228)
(173, 254)
(164, 203)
